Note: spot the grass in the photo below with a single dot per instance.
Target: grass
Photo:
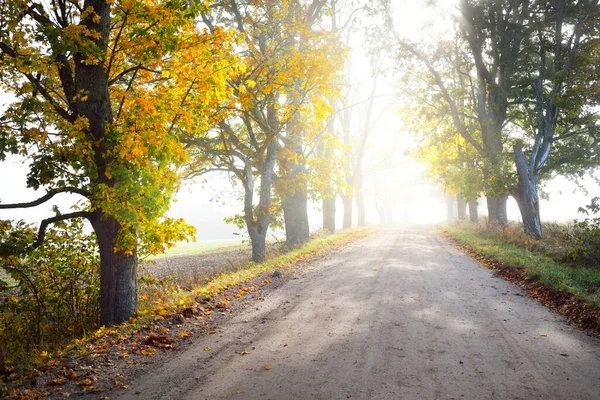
(536, 260)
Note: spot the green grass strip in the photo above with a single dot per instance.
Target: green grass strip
(582, 282)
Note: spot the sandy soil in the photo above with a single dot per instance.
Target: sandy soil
(400, 314)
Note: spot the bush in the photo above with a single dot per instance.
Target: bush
(48, 295)
(583, 240)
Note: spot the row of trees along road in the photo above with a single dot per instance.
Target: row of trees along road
(275, 113)
(117, 100)
(507, 101)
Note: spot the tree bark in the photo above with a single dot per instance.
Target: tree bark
(347, 200)
(118, 280)
(295, 215)
(118, 274)
(461, 207)
(526, 195)
(295, 198)
(258, 224)
(258, 241)
(473, 212)
(329, 215)
(497, 210)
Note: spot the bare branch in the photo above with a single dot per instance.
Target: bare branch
(44, 225)
(46, 197)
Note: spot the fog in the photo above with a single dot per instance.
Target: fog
(399, 181)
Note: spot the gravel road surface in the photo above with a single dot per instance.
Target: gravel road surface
(400, 314)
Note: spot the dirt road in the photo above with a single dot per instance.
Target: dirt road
(398, 315)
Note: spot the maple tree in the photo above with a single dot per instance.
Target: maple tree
(102, 89)
(276, 94)
(319, 54)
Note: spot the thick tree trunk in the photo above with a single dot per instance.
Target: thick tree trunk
(360, 201)
(497, 210)
(449, 208)
(347, 201)
(118, 275)
(295, 198)
(473, 212)
(258, 223)
(526, 195)
(329, 215)
(118, 280)
(295, 215)
(258, 241)
(461, 206)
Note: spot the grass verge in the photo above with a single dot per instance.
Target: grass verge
(574, 291)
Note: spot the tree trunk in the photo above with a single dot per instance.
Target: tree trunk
(497, 210)
(360, 200)
(258, 241)
(347, 200)
(294, 198)
(295, 215)
(449, 208)
(329, 215)
(473, 212)
(259, 225)
(118, 275)
(526, 195)
(461, 207)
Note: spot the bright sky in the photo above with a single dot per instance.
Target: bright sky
(418, 200)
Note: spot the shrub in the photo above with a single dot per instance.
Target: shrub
(583, 240)
(48, 295)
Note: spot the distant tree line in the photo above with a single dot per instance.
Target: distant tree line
(506, 101)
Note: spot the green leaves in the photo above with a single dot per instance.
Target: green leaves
(54, 288)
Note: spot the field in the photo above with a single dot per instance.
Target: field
(201, 247)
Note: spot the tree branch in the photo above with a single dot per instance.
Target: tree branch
(44, 225)
(46, 197)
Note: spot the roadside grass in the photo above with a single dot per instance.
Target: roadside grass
(538, 261)
(166, 296)
(160, 301)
